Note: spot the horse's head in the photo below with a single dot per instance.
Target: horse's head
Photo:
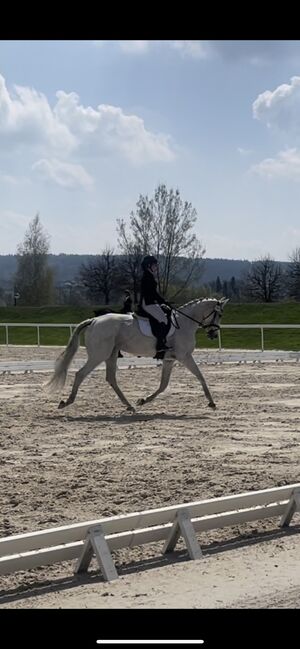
(210, 319)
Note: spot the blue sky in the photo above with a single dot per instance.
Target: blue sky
(86, 126)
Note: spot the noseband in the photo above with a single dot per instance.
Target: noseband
(213, 323)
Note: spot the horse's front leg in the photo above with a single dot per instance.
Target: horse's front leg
(165, 377)
(111, 368)
(190, 364)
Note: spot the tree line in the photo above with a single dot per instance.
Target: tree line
(163, 226)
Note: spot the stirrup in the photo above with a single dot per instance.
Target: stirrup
(160, 354)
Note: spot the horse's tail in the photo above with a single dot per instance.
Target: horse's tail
(62, 363)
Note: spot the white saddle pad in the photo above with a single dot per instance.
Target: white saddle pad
(145, 328)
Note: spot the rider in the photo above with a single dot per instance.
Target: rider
(127, 304)
(152, 302)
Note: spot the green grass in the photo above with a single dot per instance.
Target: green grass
(279, 313)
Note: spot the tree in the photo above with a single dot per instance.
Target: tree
(225, 288)
(100, 276)
(264, 280)
(162, 226)
(34, 278)
(218, 285)
(293, 275)
(130, 262)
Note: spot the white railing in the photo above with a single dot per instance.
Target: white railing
(48, 546)
(38, 326)
(257, 326)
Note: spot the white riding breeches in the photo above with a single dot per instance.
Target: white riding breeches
(156, 311)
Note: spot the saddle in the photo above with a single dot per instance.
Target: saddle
(149, 325)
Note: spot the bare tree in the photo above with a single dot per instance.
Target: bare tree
(293, 275)
(34, 278)
(130, 262)
(264, 280)
(100, 276)
(162, 226)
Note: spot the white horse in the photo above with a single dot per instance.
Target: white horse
(106, 335)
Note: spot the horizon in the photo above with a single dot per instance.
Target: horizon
(116, 253)
(82, 136)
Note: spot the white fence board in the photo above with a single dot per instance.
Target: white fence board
(116, 524)
(26, 551)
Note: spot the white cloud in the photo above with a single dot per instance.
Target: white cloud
(253, 52)
(193, 49)
(244, 152)
(280, 108)
(285, 165)
(63, 173)
(12, 180)
(107, 129)
(28, 120)
(135, 47)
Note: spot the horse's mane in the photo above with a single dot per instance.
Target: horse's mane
(199, 299)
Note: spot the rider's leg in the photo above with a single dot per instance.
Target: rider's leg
(159, 315)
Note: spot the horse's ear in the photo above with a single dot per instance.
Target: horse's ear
(224, 300)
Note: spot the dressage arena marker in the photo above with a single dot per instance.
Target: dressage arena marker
(49, 546)
(292, 507)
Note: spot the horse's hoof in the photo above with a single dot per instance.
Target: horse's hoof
(140, 402)
(130, 409)
(212, 405)
(62, 404)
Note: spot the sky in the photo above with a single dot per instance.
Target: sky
(88, 126)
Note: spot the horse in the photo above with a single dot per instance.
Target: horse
(107, 334)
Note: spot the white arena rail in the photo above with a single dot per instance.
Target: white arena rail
(71, 327)
(45, 547)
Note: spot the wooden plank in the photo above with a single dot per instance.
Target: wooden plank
(117, 524)
(183, 526)
(292, 507)
(69, 551)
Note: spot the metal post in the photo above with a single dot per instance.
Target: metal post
(38, 335)
(262, 339)
(6, 334)
(219, 338)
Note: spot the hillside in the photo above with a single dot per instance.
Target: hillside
(66, 268)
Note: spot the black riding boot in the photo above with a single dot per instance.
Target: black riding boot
(161, 345)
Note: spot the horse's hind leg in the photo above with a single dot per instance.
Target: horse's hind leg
(111, 368)
(79, 377)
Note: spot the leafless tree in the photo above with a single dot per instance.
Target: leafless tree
(163, 226)
(293, 275)
(100, 276)
(264, 280)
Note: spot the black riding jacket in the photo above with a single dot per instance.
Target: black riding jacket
(149, 291)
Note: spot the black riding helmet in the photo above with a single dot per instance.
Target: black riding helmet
(148, 261)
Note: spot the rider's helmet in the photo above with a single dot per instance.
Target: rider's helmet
(149, 260)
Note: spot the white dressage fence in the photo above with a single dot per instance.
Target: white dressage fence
(46, 547)
(71, 327)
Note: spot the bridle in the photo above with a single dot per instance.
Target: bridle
(214, 324)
